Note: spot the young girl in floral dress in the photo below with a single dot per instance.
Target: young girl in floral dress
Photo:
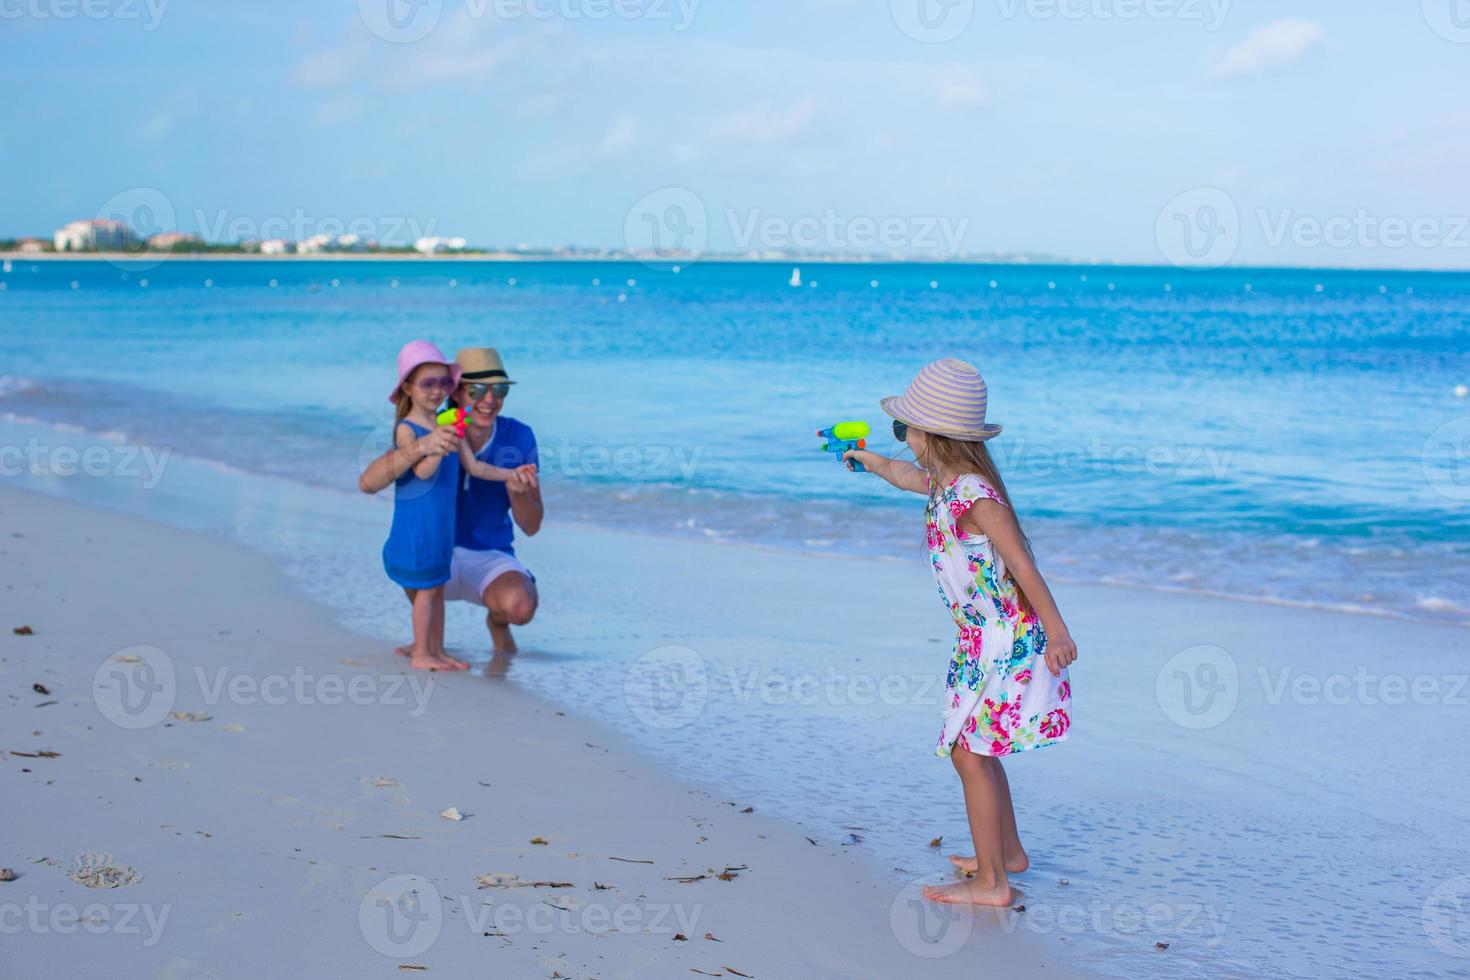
(1007, 688)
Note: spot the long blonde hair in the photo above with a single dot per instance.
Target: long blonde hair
(959, 456)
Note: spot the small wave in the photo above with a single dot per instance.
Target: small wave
(1435, 604)
(12, 384)
(47, 423)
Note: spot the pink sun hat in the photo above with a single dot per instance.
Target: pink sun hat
(947, 398)
(415, 354)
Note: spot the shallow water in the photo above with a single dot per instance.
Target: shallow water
(1163, 428)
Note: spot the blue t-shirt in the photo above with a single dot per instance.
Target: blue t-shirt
(482, 515)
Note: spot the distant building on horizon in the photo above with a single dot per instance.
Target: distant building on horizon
(436, 245)
(31, 246)
(92, 235)
(275, 246)
(170, 241)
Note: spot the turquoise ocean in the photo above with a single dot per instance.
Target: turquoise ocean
(1281, 437)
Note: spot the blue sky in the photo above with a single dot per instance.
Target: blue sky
(1320, 132)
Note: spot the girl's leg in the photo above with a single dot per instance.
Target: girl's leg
(1015, 854)
(983, 806)
(422, 655)
(407, 649)
(449, 663)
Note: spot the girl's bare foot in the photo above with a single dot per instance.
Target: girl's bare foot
(1015, 863)
(971, 893)
(404, 651)
(426, 661)
(446, 662)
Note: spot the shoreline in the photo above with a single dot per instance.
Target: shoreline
(265, 829)
(155, 259)
(1449, 614)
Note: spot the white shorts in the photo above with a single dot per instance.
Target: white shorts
(471, 572)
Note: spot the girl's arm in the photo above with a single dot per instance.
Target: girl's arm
(480, 469)
(382, 472)
(425, 468)
(899, 472)
(995, 521)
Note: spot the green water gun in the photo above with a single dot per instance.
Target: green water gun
(455, 417)
(844, 436)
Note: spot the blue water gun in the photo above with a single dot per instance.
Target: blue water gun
(844, 436)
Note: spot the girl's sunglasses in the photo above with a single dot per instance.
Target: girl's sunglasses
(900, 430)
(443, 384)
(478, 391)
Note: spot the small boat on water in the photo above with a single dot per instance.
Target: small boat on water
(795, 276)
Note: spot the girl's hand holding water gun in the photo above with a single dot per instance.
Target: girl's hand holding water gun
(437, 442)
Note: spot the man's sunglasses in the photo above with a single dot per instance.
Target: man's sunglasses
(478, 391)
(900, 430)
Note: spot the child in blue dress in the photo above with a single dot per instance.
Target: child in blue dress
(420, 543)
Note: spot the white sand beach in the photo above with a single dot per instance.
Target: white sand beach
(265, 822)
(1249, 788)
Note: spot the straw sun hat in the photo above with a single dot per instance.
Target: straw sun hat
(481, 365)
(948, 399)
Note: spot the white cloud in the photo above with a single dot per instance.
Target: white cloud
(1271, 48)
(340, 110)
(620, 137)
(181, 107)
(961, 90)
(762, 123)
(155, 128)
(330, 68)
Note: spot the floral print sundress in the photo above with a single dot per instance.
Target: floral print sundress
(999, 696)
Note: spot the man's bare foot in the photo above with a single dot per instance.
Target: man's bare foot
(426, 661)
(971, 893)
(1015, 863)
(500, 639)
